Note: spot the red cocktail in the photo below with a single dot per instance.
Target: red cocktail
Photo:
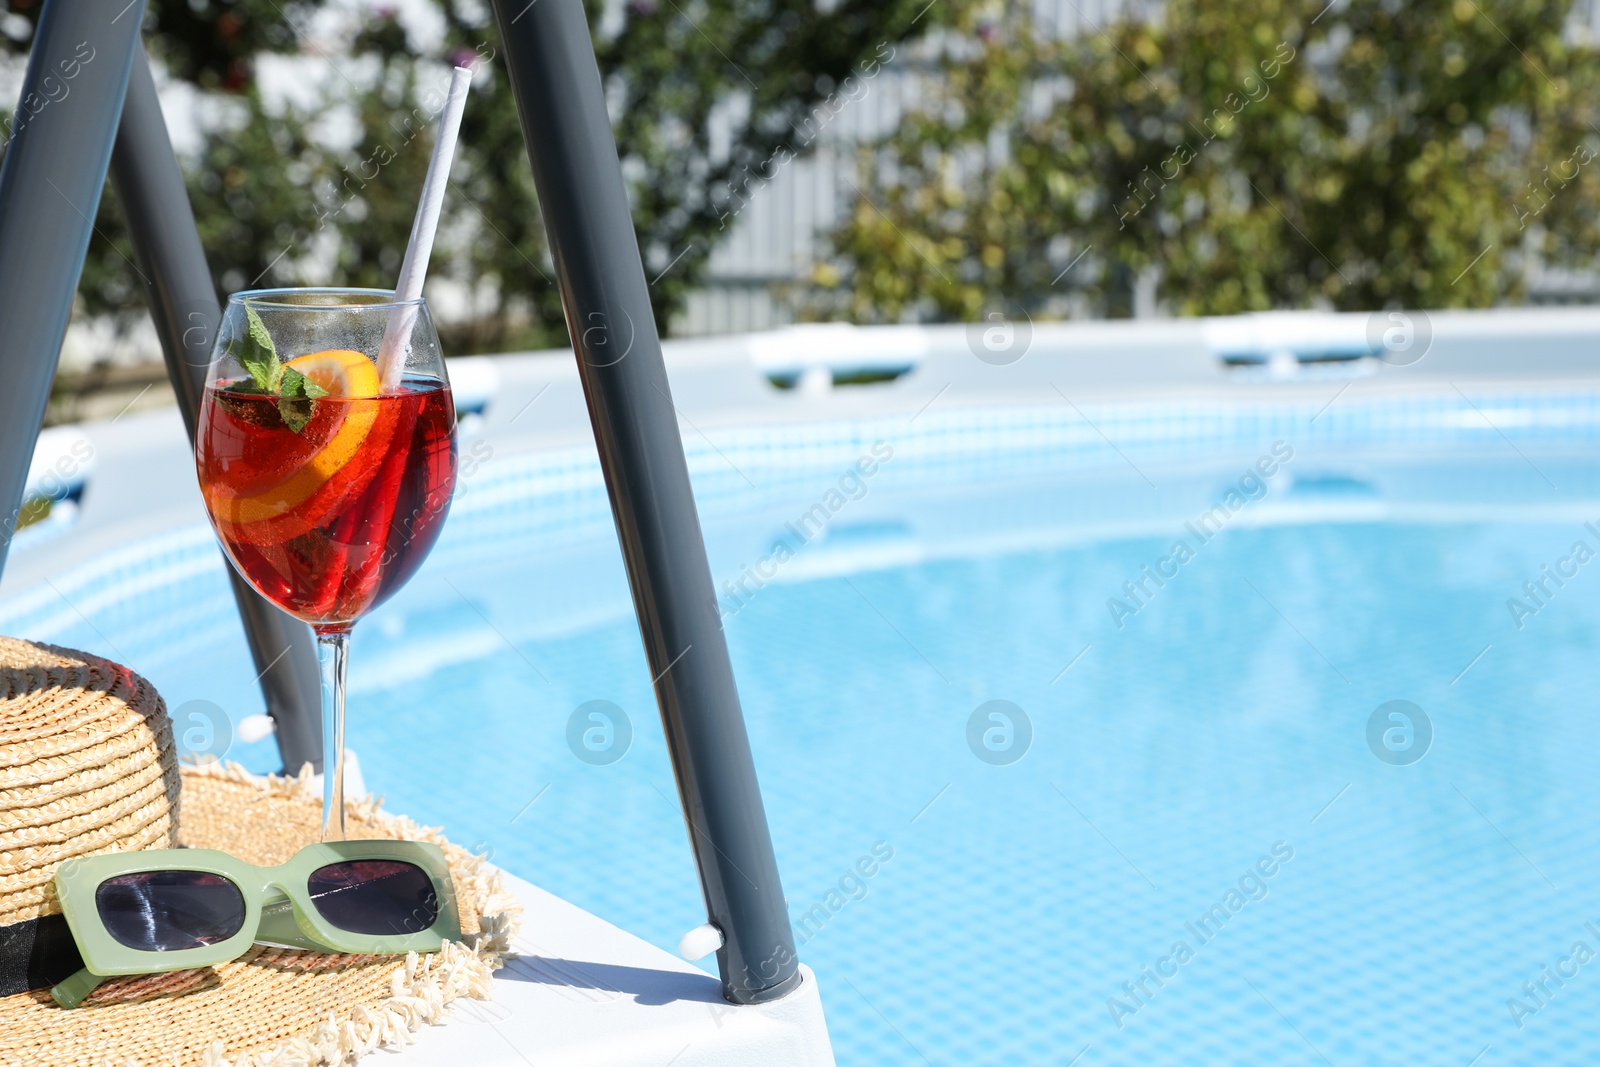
(328, 522)
(326, 468)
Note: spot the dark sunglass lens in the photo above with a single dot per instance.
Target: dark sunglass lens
(164, 911)
(375, 896)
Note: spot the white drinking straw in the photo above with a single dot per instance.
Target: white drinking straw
(414, 268)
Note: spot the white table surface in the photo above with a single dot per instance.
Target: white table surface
(580, 991)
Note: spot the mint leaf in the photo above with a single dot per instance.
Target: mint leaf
(295, 384)
(297, 398)
(258, 354)
(297, 395)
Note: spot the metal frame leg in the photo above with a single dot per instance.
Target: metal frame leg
(562, 107)
(50, 182)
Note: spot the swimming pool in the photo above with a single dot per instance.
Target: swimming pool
(1204, 755)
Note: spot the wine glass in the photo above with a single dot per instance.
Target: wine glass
(327, 461)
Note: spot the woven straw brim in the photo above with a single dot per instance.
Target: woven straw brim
(271, 1007)
(87, 765)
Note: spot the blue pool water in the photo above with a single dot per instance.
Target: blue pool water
(1200, 857)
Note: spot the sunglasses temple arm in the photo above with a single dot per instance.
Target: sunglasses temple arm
(73, 991)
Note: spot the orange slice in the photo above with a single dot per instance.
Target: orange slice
(340, 371)
(344, 374)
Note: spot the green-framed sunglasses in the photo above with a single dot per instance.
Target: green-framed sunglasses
(174, 909)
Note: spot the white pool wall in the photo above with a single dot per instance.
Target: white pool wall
(139, 479)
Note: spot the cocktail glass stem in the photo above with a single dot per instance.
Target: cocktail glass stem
(333, 655)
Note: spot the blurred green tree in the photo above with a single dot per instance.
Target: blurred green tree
(290, 193)
(668, 68)
(248, 187)
(1243, 154)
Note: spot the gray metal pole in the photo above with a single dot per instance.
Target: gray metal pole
(50, 182)
(183, 304)
(563, 111)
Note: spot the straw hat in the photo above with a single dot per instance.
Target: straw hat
(87, 764)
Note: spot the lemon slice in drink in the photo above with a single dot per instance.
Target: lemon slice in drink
(345, 375)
